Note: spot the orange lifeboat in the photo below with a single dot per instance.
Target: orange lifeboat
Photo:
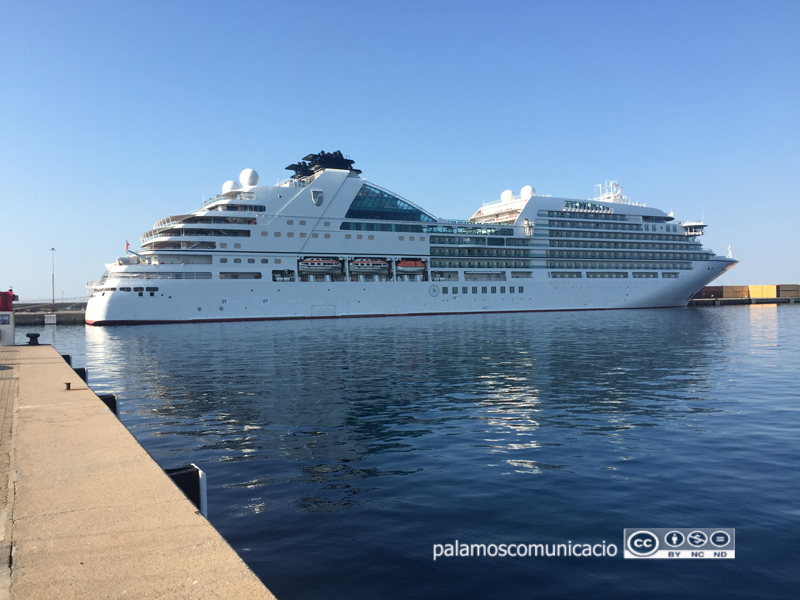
(410, 267)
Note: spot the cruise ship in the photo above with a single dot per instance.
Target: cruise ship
(328, 243)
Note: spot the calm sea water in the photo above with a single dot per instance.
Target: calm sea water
(340, 451)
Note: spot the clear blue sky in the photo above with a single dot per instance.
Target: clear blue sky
(116, 114)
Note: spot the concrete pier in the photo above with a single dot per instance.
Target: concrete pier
(85, 512)
(741, 301)
(63, 317)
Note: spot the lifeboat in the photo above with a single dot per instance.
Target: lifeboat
(369, 266)
(410, 267)
(320, 265)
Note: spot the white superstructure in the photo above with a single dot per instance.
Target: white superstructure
(327, 243)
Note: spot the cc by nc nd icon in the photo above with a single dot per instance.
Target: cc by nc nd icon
(643, 543)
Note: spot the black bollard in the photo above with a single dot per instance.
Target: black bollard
(33, 339)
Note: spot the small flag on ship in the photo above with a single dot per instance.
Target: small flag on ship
(127, 245)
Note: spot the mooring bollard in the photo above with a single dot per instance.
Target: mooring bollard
(33, 339)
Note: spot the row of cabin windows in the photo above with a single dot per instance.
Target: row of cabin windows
(601, 264)
(623, 254)
(290, 234)
(347, 236)
(674, 228)
(616, 236)
(627, 227)
(684, 246)
(484, 289)
(151, 290)
(582, 225)
(250, 261)
(606, 275)
(583, 215)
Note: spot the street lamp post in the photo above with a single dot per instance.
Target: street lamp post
(53, 250)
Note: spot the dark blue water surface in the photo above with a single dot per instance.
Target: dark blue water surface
(339, 452)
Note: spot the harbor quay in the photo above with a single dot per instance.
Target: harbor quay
(86, 512)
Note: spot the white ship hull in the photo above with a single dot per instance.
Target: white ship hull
(199, 301)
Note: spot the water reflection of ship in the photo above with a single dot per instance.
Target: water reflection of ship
(257, 392)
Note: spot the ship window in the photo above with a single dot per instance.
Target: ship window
(223, 245)
(421, 239)
(151, 289)
(511, 290)
(411, 238)
(359, 237)
(347, 236)
(302, 235)
(251, 260)
(138, 289)
(474, 289)
(455, 290)
(126, 289)
(302, 222)
(265, 233)
(502, 289)
(327, 223)
(290, 222)
(484, 290)
(327, 236)
(494, 290)
(277, 261)
(370, 237)
(314, 235)
(237, 245)
(445, 290)
(521, 289)
(277, 234)
(463, 290)
(401, 237)
(237, 260)
(290, 234)
(237, 275)
(223, 260)
(264, 261)
(374, 203)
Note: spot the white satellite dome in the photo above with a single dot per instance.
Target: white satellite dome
(248, 178)
(527, 192)
(507, 196)
(229, 186)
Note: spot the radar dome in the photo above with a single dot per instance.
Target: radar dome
(229, 186)
(527, 192)
(248, 178)
(507, 196)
